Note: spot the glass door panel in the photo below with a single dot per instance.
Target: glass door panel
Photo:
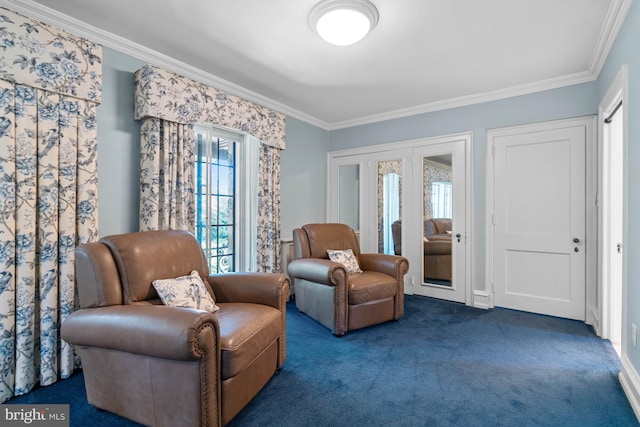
(439, 205)
(437, 219)
(389, 206)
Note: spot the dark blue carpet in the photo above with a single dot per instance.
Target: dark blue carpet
(443, 364)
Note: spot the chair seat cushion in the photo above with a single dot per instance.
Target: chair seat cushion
(245, 331)
(370, 286)
(445, 237)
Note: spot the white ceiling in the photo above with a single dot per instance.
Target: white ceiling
(424, 55)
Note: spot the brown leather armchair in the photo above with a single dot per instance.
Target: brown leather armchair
(342, 302)
(169, 366)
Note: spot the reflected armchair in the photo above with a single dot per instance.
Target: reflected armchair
(339, 301)
(436, 247)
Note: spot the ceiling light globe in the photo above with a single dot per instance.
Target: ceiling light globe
(343, 27)
(343, 22)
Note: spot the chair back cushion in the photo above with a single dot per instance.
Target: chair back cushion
(436, 226)
(329, 236)
(146, 256)
(97, 277)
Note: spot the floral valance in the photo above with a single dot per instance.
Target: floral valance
(35, 54)
(162, 94)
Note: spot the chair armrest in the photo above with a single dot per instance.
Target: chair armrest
(393, 265)
(151, 330)
(437, 247)
(318, 270)
(270, 289)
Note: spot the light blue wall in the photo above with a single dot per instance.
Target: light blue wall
(303, 176)
(118, 146)
(566, 102)
(304, 161)
(303, 167)
(625, 51)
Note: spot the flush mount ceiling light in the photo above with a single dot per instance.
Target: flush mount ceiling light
(343, 22)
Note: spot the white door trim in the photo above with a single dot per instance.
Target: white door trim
(617, 92)
(591, 214)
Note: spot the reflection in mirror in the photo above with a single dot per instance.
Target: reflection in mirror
(437, 219)
(349, 189)
(389, 209)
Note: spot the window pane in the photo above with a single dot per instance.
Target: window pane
(225, 264)
(225, 240)
(213, 220)
(225, 209)
(226, 155)
(216, 198)
(226, 180)
(213, 172)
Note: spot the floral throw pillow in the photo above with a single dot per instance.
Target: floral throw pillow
(346, 258)
(186, 291)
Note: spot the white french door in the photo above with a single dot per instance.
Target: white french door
(382, 192)
(439, 191)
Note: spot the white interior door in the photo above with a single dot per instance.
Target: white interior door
(539, 232)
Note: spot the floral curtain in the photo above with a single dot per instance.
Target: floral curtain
(49, 89)
(161, 94)
(268, 253)
(167, 181)
(165, 95)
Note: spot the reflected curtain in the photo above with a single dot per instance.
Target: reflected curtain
(167, 176)
(50, 85)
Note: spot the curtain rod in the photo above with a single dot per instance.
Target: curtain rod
(610, 118)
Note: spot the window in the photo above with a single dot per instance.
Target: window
(441, 199)
(226, 198)
(216, 198)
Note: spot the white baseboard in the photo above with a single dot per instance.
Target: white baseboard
(630, 381)
(482, 299)
(593, 319)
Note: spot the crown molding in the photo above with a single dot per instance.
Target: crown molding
(463, 101)
(613, 22)
(138, 51)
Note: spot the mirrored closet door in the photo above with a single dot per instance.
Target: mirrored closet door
(410, 200)
(440, 171)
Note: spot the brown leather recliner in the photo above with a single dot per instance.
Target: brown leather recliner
(170, 366)
(342, 302)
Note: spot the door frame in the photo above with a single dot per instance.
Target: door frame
(591, 182)
(617, 92)
(404, 149)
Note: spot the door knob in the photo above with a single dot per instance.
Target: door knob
(576, 240)
(458, 236)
